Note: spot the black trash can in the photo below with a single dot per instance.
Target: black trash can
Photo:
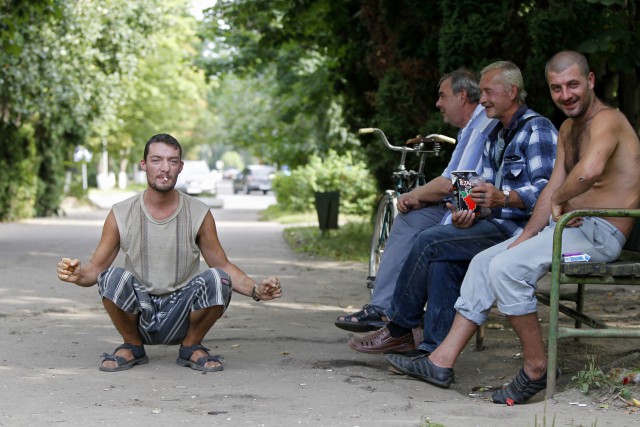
(327, 206)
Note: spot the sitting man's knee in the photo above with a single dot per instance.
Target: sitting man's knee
(499, 271)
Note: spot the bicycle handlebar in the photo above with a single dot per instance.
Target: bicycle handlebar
(434, 137)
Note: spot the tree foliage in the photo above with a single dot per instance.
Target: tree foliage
(278, 68)
(382, 59)
(288, 79)
(88, 72)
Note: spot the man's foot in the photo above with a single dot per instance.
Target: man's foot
(520, 389)
(381, 341)
(124, 357)
(422, 368)
(197, 357)
(366, 320)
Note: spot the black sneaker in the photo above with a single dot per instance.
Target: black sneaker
(521, 388)
(422, 368)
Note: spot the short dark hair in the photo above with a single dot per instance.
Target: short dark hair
(463, 79)
(165, 138)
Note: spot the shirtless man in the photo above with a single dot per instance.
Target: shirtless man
(596, 167)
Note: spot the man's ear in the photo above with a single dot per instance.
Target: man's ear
(143, 165)
(463, 95)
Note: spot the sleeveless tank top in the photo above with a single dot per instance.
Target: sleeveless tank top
(162, 255)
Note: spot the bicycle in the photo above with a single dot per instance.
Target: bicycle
(403, 181)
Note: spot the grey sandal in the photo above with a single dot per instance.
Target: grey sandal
(184, 359)
(139, 358)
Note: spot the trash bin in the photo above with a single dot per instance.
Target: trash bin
(327, 204)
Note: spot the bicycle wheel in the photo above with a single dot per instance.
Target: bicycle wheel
(385, 215)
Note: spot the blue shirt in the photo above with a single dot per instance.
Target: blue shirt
(526, 166)
(470, 146)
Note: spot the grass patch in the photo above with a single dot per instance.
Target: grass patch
(350, 242)
(275, 214)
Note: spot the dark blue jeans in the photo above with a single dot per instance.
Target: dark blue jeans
(432, 275)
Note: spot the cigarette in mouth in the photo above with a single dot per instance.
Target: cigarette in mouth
(165, 178)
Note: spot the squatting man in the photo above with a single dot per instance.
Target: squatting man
(161, 296)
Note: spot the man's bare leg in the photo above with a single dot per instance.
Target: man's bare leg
(447, 353)
(127, 325)
(528, 330)
(532, 377)
(200, 322)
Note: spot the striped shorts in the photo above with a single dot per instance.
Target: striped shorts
(164, 319)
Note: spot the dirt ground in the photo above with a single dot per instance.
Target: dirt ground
(286, 364)
(480, 372)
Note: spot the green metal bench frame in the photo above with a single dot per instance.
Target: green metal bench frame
(624, 271)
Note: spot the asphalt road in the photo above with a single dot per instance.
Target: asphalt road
(285, 362)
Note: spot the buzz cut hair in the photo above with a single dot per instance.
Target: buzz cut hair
(565, 59)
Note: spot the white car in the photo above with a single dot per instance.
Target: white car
(197, 178)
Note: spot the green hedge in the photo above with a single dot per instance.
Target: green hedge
(18, 182)
(295, 192)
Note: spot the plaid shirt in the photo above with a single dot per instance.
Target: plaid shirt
(469, 149)
(527, 164)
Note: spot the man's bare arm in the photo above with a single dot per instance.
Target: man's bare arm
(594, 156)
(215, 257)
(72, 271)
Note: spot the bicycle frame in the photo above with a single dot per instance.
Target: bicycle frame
(404, 181)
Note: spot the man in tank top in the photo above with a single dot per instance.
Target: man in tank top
(160, 296)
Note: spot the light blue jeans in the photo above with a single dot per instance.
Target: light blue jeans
(405, 228)
(510, 276)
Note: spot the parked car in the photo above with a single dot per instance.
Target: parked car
(230, 173)
(197, 178)
(254, 178)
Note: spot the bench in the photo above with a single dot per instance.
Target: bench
(624, 271)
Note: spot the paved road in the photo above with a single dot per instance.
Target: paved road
(285, 362)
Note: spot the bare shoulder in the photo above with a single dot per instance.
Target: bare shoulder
(611, 127)
(612, 120)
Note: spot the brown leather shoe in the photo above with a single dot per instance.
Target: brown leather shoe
(381, 341)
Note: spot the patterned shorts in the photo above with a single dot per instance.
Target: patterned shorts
(165, 319)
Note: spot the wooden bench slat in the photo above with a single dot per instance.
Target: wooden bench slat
(615, 269)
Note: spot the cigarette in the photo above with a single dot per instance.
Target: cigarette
(165, 178)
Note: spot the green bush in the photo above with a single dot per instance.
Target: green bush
(295, 192)
(19, 163)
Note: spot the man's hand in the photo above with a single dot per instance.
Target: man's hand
(68, 270)
(557, 210)
(486, 195)
(269, 289)
(461, 219)
(407, 202)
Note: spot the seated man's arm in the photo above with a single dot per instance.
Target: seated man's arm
(431, 192)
